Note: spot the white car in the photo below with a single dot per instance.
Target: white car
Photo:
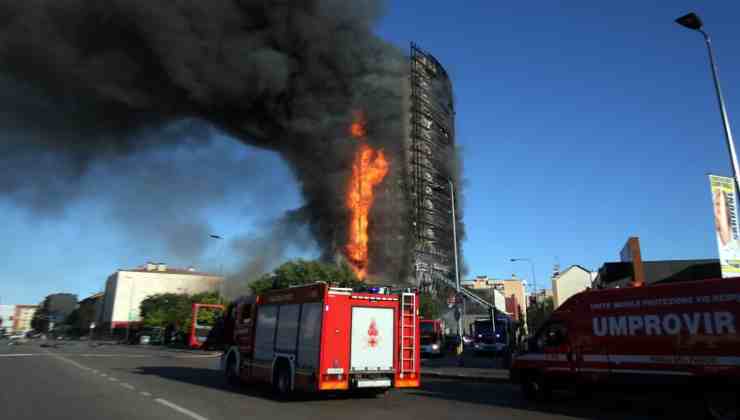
(17, 338)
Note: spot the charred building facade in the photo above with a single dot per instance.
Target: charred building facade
(431, 171)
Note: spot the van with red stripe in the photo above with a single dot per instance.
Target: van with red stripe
(317, 338)
(682, 335)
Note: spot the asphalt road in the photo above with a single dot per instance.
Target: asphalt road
(76, 381)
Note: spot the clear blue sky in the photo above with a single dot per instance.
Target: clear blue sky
(581, 125)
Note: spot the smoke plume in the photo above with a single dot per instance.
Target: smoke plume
(262, 252)
(82, 80)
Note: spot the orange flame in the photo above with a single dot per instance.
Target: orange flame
(368, 170)
(357, 128)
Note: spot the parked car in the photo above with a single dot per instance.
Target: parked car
(150, 335)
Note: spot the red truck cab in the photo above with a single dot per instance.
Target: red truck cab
(432, 337)
(678, 335)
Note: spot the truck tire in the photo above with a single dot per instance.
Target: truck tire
(535, 388)
(282, 382)
(231, 373)
(722, 405)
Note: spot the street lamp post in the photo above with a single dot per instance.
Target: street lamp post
(220, 265)
(457, 270)
(692, 21)
(534, 279)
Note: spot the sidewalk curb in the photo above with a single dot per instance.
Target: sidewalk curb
(465, 377)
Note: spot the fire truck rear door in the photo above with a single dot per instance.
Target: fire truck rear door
(372, 339)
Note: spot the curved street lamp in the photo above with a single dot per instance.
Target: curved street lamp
(531, 262)
(693, 22)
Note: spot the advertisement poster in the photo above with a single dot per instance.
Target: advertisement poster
(725, 221)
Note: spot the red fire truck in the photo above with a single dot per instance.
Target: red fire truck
(432, 337)
(321, 338)
(199, 330)
(659, 336)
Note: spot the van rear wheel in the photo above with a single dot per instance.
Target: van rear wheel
(231, 372)
(722, 405)
(282, 382)
(535, 388)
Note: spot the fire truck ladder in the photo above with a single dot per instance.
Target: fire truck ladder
(408, 333)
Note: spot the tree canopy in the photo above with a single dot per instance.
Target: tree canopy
(538, 313)
(164, 309)
(300, 272)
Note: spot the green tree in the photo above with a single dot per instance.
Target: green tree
(300, 272)
(73, 319)
(165, 309)
(40, 319)
(538, 313)
(430, 306)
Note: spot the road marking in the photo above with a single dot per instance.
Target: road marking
(180, 409)
(146, 394)
(119, 355)
(112, 379)
(127, 386)
(103, 375)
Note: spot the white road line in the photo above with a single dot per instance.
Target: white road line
(127, 386)
(103, 375)
(112, 379)
(180, 409)
(146, 394)
(19, 355)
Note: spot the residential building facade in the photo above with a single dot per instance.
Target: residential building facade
(23, 317)
(570, 281)
(126, 289)
(512, 289)
(90, 310)
(7, 313)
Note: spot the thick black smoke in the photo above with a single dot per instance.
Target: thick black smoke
(81, 79)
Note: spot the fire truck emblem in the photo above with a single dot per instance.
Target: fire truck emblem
(372, 334)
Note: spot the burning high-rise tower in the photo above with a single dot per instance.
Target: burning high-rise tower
(432, 170)
(366, 131)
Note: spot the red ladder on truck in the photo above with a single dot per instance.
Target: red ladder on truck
(408, 334)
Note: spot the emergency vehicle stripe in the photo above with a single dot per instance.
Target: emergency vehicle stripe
(691, 360)
(640, 359)
(652, 372)
(656, 359)
(561, 357)
(595, 358)
(637, 371)
(374, 298)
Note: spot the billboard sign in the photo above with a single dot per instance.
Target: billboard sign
(724, 201)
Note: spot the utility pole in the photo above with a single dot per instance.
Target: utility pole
(457, 270)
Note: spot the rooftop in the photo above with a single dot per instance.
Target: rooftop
(164, 269)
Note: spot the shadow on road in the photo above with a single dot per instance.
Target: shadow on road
(210, 378)
(214, 379)
(610, 405)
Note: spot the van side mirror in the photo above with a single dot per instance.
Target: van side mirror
(554, 338)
